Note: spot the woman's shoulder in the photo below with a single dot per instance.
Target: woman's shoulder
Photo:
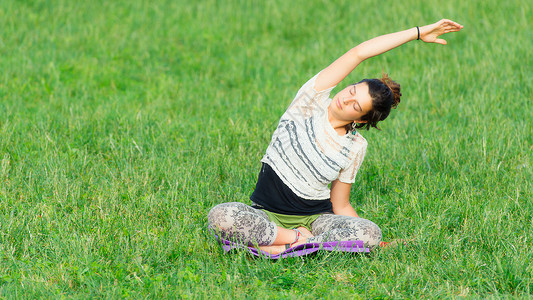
(310, 87)
(359, 140)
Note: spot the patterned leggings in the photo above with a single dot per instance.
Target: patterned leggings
(238, 221)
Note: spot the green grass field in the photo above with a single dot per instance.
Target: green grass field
(123, 122)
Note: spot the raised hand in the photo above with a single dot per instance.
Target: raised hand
(430, 33)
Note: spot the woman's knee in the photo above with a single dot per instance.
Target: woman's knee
(372, 234)
(342, 228)
(222, 216)
(241, 223)
(218, 215)
(367, 231)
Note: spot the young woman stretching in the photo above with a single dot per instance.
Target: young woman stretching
(316, 144)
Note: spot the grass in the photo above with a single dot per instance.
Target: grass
(123, 122)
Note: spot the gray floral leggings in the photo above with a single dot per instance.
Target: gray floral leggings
(238, 221)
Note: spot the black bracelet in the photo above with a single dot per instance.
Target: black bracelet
(418, 30)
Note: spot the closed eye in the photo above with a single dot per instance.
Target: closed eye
(356, 105)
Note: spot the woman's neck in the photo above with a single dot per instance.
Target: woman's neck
(338, 125)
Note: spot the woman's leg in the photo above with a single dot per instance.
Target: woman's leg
(334, 228)
(239, 222)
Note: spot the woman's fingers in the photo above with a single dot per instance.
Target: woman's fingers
(448, 25)
(451, 23)
(433, 32)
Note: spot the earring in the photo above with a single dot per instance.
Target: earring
(354, 128)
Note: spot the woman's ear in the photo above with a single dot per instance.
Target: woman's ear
(360, 121)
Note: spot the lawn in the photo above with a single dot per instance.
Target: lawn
(123, 122)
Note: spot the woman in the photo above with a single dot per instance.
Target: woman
(315, 145)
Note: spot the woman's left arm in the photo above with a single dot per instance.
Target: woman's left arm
(344, 65)
(340, 199)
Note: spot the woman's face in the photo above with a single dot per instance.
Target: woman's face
(351, 103)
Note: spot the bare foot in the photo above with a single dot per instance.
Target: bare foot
(274, 249)
(395, 243)
(277, 249)
(306, 233)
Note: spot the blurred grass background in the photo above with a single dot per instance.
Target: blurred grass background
(123, 122)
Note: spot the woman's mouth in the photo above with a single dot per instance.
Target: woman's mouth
(339, 103)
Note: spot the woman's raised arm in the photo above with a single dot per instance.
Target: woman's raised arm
(345, 64)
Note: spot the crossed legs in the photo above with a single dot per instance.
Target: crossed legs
(239, 222)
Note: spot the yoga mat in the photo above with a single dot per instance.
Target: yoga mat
(300, 250)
